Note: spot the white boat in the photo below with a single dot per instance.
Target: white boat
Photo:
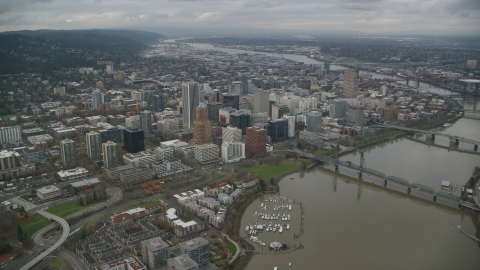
(281, 229)
(268, 229)
(290, 207)
(447, 125)
(288, 226)
(274, 229)
(288, 216)
(246, 229)
(289, 264)
(275, 267)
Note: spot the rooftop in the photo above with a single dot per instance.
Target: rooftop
(194, 243)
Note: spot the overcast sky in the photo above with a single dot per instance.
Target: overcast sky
(369, 16)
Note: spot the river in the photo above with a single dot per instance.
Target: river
(358, 225)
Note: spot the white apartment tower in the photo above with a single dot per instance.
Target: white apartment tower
(110, 154)
(94, 143)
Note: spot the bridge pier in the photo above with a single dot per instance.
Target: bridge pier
(431, 136)
(336, 167)
(359, 174)
(434, 198)
(385, 182)
(408, 190)
(454, 141)
(475, 147)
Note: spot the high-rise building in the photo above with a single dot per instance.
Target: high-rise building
(206, 153)
(110, 154)
(146, 121)
(231, 101)
(96, 98)
(279, 110)
(215, 97)
(94, 143)
(113, 134)
(314, 121)
(155, 253)
(231, 134)
(67, 152)
(244, 81)
(134, 140)
(182, 262)
(157, 103)
(261, 102)
(197, 249)
(233, 151)
(278, 130)
(201, 126)
(190, 101)
(10, 134)
(338, 109)
(256, 141)
(291, 124)
(236, 88)
(350, 84)
(356, 115)
(240, 119)
(213, 110)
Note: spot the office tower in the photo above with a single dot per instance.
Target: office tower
(279, 110)
(94, 142)
(96, 98)
(133, 140)
(350, 84)
(201, 126)
(109, 69)
(213, 110)
(190, 101)
(244, 81)
(158, 104)
(291, 124)
(146, 121)
(256, 141)
(240, 119)
(155, 253)
(67, 152)
(113, 134)
(231, 134)
(233, 151)
(236, 88)
(278, 130)
(314, 121)
(215, 97)
(10, 134)
(338, 109)
(231, 101)
(110, 154)
(197, 249)
(356, 115)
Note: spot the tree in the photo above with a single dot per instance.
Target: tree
(94, 195)
(20, 233)
(272, 181)
(262, 184)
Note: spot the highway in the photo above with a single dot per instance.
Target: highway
(49, 250)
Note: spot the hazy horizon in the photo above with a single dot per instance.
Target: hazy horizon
(394, 17)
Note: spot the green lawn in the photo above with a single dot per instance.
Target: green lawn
(59, 264)
(34, 226)
(218, 176)
(232, 247)
(7, 116)
(142, 204)
(287, 146)
(268, 171)
(63, 210)
(320, 152)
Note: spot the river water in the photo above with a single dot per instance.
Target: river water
(352, 224)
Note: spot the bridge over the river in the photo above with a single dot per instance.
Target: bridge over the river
(454, 140)
(386, 179)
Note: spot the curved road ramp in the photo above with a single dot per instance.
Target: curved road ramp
(44, 254)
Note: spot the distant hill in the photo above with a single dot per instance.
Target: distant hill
(46, 51)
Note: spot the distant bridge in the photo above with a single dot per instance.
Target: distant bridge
(431, 135)
(345, 61)
(402, 182)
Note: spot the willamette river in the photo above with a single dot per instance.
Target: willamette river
(359, 225)
(351, 224)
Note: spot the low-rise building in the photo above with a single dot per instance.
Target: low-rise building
(182, 262)
(87, 183)
(48, 192)
(72, 174)
(128, 263)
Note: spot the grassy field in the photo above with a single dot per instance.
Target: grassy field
(218, 176)
(268, 171)
(232, 247)
(288, 146)
(63, 210)
(38, 222)
(320, 152)
(59, 264)
(7, 116)
(142, 204)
